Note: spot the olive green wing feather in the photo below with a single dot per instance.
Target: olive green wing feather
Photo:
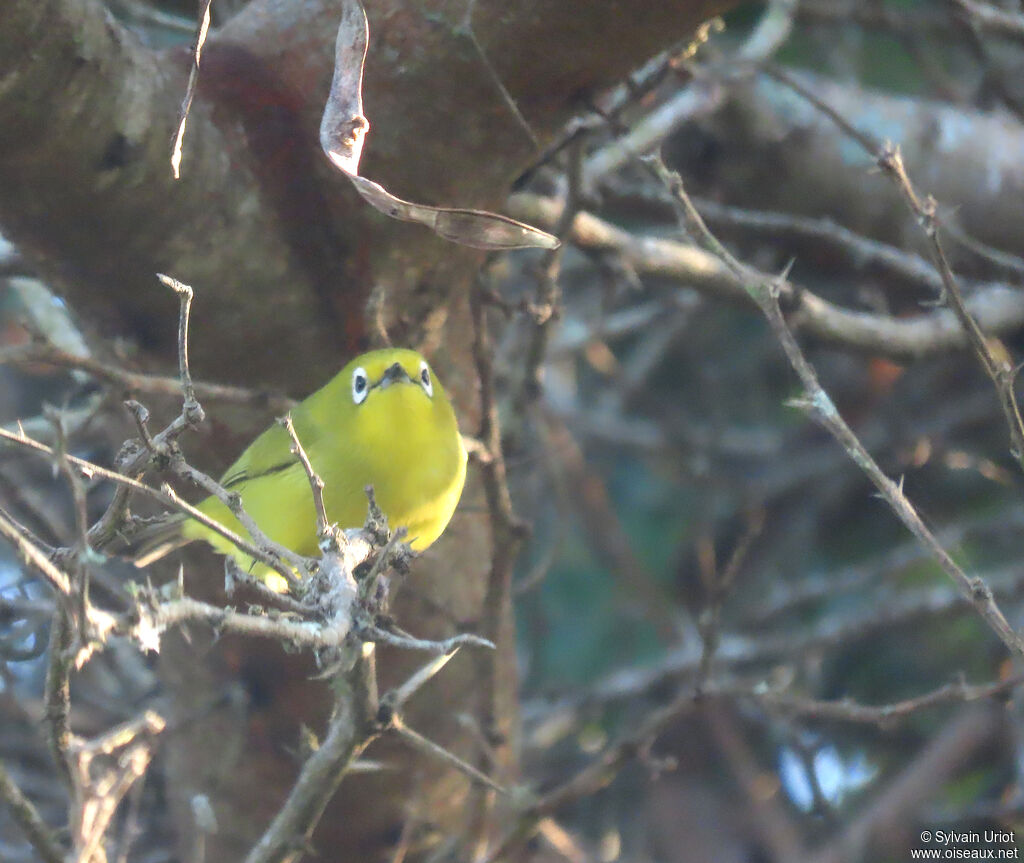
(271, 452)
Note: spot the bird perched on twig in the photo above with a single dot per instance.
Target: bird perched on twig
(383, 421)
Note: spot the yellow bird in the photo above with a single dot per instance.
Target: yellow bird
(384, 421)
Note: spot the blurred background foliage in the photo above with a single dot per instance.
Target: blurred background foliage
(698, 440)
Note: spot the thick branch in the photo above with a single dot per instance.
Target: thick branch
(975, 160)
(348, 734)
(998, 308)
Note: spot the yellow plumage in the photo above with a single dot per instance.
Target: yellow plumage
(384, 421)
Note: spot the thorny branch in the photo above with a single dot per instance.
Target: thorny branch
(333, 616)
(358, 719)
(887, 157)
(265, 552)
(765, 290)
(349, 732)
(883, 716)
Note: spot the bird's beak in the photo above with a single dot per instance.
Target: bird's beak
(394, 373)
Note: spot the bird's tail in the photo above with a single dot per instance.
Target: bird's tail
(152, 541)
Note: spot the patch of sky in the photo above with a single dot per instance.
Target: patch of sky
(835, 775)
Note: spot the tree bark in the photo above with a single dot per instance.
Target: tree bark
(269, 234)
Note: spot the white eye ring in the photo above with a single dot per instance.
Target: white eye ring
(428, 384)
(360, 385)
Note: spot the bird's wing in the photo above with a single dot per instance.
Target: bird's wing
(271, 452)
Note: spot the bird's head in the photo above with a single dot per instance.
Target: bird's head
(404, 372)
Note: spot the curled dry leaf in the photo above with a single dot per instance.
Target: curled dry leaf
(342, 133)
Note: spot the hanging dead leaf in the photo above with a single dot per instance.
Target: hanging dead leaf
(343, 130)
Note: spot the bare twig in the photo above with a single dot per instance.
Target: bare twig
(105, 769)
(396, 553)
(153, 620)
(29, 820)
(316, 484)
(697, 98)
(35, 353)
(445, 647)
(397, 697)
(358, 719)
(276, 556)
(30, 552)
(1000, 371)
(140, 415)
(423, 744)
(237, 579)
(859, 250)
(191, 411)
(79, 557)
(884, 716)
(267, 552)
(133, 460)
(466, 29)
(990, 17)
(202, 28)
(74, 482)
(997, 258)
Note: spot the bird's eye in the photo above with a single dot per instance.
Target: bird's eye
(360, 385)
(428, 386)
